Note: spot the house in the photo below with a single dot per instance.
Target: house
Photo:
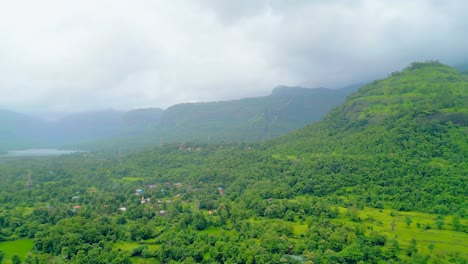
(144, 201)
(221, 190)
(296, 258)
(162, 213)
(123, 209)
(178, 184)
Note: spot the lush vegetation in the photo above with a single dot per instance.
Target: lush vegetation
(382, 179)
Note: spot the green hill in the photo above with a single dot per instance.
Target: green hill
(408, 131)
(249, 119)
(19, 130)
(244, 120)
(381, 179)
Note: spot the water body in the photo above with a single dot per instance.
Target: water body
(40, 152)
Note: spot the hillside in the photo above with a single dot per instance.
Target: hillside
(408, 131)
(18, 130)
(249, 119)
(381, 179)
(243, 120)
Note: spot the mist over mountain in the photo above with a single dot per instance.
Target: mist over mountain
(186, 132)
(19, 130)
(243, 120)
(379, 179)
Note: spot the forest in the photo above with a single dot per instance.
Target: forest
(381, 179)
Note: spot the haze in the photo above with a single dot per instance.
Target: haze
(67, 56)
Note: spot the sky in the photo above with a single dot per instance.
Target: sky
(69, 56)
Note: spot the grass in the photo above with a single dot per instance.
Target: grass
(141, 260)
(445, 240)
(126, 246)
(132, 179)
(299, 229)
(128, 180)
(130, 246)
(215, 231)
(429, 241)
(21, 247)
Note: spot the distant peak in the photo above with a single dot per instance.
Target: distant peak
(425, 64)
(283, 90)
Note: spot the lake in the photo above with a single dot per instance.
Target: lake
(40, 152)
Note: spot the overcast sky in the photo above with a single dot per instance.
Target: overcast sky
(88, 55)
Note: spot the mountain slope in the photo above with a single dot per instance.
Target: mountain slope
(19, 130)
(249, 119)
(424, 94)
(348, 189)
(407, 132)
(244, 120)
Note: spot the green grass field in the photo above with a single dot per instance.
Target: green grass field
(130, 246)
(444, 240)
(299, 229)
(20, 247)
(422, 227)
(125, 180)
(141, 260)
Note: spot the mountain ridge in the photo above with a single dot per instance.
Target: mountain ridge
(411, 125)
(247, 119)
(380, 179)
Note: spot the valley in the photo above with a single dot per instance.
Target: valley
(381, 178)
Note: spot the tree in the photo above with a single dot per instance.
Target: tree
(393, 249)
(439, 223)
(457, 226)
(431, 247)
(15, 259)
(408, 221)
(413, 248)
(200, 221)
(2, 256)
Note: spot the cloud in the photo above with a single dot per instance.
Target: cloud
(88, 55)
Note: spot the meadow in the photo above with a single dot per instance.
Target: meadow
(20, 247)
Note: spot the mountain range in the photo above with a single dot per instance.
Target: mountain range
(381, 178)
(243, 120)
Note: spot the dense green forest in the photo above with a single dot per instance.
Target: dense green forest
(381, 179)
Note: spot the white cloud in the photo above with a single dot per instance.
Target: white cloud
(85, 55)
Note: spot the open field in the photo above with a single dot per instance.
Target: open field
(20, 247)
(422, 227)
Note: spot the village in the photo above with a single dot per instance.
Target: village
(157, 198)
